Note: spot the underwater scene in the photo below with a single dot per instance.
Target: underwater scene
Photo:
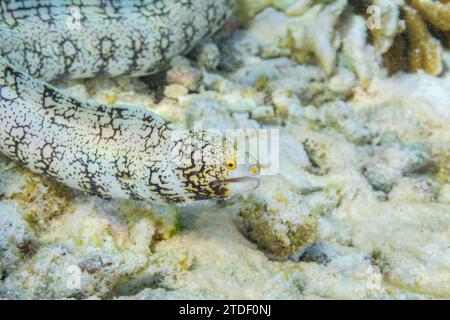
(221, 149)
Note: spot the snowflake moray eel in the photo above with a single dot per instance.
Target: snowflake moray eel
(113, 151)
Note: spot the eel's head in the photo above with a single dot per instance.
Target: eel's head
(208, 167)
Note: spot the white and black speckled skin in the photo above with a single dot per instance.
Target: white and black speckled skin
(56, 39)
(110, 151)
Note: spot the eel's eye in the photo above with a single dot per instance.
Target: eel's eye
(231, 164)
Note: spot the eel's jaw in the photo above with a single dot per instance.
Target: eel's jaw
(241, 185)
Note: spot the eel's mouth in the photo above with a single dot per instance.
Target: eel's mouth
(241, 184)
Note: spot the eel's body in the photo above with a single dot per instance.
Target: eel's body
(55, 39)
(111, 151)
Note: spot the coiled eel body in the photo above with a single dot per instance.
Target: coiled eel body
(56, 39)
(117, 151)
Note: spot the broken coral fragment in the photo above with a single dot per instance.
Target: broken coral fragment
(42, 199)
(356, 54)
(406, 40)
(425, 51)
(435, 12)
(389, 26)
(245, 10)
(165, 267)
(313, 34)
(340, 115)
(282, 221)
(394, 160)
(57, 272)
(207, 55)
(182, 73)
(17, 241)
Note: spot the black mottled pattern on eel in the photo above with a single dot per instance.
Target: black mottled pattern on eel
(56, 39)
(115, 151)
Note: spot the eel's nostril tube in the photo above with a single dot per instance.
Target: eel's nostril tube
(255, 170)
